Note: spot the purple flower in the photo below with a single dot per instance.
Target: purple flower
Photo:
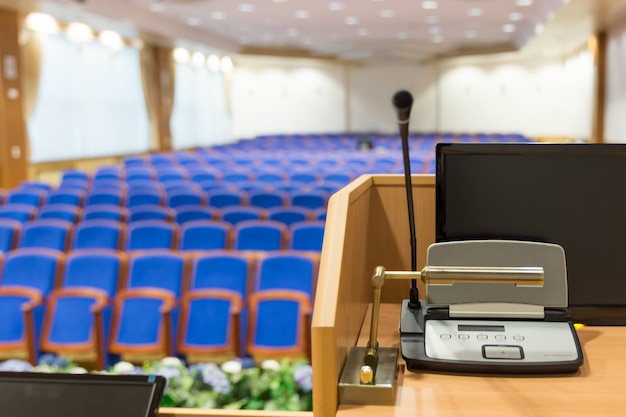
(211, 375)
(51, 359)
(303, 375)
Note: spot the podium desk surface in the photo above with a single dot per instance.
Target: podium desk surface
(597, 389)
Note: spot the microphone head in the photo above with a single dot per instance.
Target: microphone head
(402, 100)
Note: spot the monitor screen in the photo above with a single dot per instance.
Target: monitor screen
(27, 394)
(569, 194)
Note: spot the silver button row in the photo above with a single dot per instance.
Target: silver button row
(464, 336)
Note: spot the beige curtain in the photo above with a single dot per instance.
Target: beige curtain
(150, 84)
(168, 85)
(31, 50)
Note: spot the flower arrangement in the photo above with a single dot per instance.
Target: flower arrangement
(236, 384)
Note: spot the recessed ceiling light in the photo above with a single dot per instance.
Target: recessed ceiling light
(432, 19)
(302, 14)
(429, 5)
(41, 22)
(213, 62)
(352, 20)
(387, 13)
(181, 55)
(157, 7)
(515, 16)
(218, 15)
(508, 28)
(79, 32)
(524, 3)
(336, 5)
(279, 1)
(246, 7)
(434, 30)
(193, 21)
(475, 12)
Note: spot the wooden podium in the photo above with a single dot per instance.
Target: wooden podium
(366, 226)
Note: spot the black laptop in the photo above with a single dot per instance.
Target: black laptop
(28, 394)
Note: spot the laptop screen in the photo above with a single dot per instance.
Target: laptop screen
(27, 394)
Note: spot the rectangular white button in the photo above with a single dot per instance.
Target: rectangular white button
(502, 352)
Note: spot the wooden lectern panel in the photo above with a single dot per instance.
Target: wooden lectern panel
(366, 226)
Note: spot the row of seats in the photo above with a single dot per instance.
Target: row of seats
(231, 214)
(253, 235)
(185, 194)
(96, 303)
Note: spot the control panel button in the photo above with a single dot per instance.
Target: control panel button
(502, 352)
(464, 336)
(446, 336)
(500, 337)
(482, 337)
(518, 337)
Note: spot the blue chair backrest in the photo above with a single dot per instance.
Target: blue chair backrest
(18, 211)
(259, 235)
(46, 233)
(291, 271)
(151, 234)
(204, 235)
(33, 268)
(157, 269)
(237, 214)
(98, 234)
(307, 235)
(194, 212)
(99, 269)
(288, 215)
(230, 271)
(9, 234)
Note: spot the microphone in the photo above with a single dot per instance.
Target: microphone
(403, 101)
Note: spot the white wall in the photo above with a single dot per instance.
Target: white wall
(539, 98)
(272, 96)
(615, 99)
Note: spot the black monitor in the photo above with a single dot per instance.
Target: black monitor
(28, 394)
(570, 194)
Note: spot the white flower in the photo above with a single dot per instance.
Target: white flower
(270, 365)
(78, 370)
(231, 367)
(123, 367)
(171, 361)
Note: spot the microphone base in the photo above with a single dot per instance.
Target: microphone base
(384, 387)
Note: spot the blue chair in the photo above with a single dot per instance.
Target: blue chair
(35, 268)
(172, 172)
(180, 186)
(46, 233)
(74, 174)
(143, 324)
(226, 270)
(67, 195)
(259, 235)
(163, 269)
(338, 177)
(270, 177)
(140, 173)
(204, 235)
(98, 269)
(105, 212)
(67, 212)
(289, 215)
(279, 325)
(134, 161)
(18, 211)
(287, 270)
(224, 198)
(307, 236)
(110, 172)
(144, 196)
(151, 234)
(31, 196)
(309, 199)
(9, 234)
(21, 310)
(99, 234)
(194, 212)
(304, 177)
(237, 176)
(237, 214)
(177, 198)
(106, 195)
(267, 199)
(150, 212)
(201, 174)
(221, 339)
(76, 323)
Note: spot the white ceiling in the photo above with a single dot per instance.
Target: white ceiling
(348, 29)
